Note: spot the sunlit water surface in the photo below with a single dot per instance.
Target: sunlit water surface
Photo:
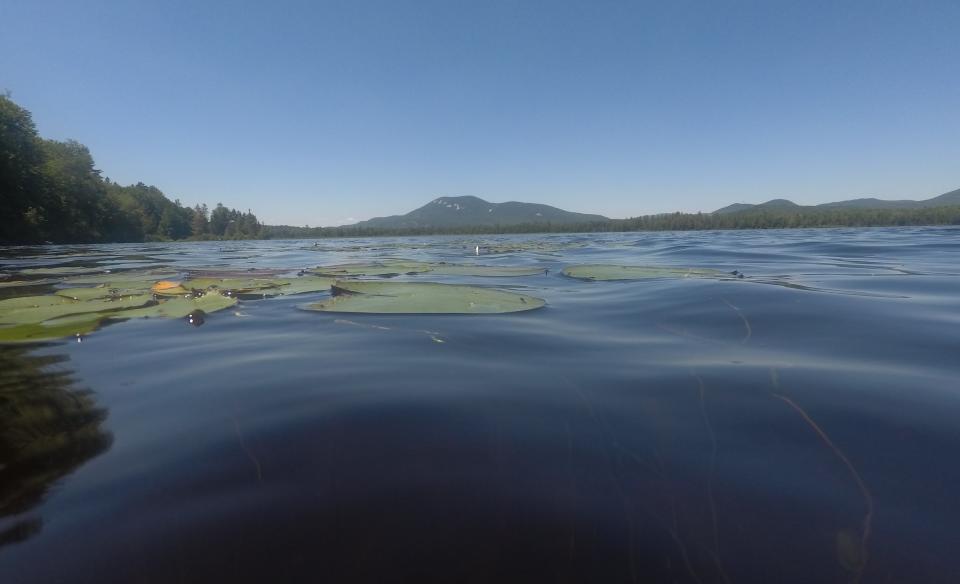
(797, 425)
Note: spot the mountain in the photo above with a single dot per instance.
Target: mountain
(734, 208)
(951, 198)
(944, 200)
(468, 211)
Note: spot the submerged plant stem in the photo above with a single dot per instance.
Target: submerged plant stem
(713, 468)
(867, 497)
(746, 323)
(243, 445)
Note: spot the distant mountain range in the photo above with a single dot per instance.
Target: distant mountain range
(452, 212)
(946, 199)
(467, 212)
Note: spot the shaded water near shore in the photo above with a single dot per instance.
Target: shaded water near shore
(796, 425)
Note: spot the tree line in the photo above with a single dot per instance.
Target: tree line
(748, 219)
(51, 192)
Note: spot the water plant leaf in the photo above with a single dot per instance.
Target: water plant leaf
(226, 273)
(67, 326)
(383, 268)
(61, 271)
(302, 285)
(25, 283)
(179, 307)
(540, 247)
(236, 285)
(397, 267)
(50, 307)
(486, 271)
(598, 272)
(148, 276)
(126, 286)
(421, 298)
(21, 302)
(87, 293)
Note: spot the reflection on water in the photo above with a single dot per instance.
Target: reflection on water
(48, 428)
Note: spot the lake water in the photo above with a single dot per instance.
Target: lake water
(801, 424)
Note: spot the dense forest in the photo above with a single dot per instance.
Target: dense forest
(51, 192)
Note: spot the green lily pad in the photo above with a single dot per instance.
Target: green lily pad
(256, 287)
(67, 326)
(241, 274)
(541, 247)
(24, 283)
(87, 293)
(421, 298)
(179, 307)
(237, 285)
(302, 285)
(131, 286)
(490, 271)
(114, 278)
(36, 309)
(22, 302)
(398, 267)
(384, 268)
(61, 271)
(597, 272)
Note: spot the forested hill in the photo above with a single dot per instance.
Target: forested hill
(944, 200)
(472, 212)
(51, 192)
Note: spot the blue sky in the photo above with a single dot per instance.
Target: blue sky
(324, 112)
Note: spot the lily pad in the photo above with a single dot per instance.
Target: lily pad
(598, 272)
(179, 307)
(262, 287)
(541, 247)
(487, 271)
(398, 267)
(422, 298)
(35, 309)
(87, 293)
(149, 276)
(61, 271)
(302, 285)
(128, 286)
(223, 273)
(384, 268)
(67, 326)
(21, 302)
(237, 285)
(25, 283)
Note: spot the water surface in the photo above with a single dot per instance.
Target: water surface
(796, 425)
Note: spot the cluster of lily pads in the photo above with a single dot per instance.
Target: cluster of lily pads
(83, 299)
(470, 246)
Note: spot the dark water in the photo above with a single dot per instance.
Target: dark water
(799, 425)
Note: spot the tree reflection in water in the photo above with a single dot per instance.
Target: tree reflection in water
(48, 429)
